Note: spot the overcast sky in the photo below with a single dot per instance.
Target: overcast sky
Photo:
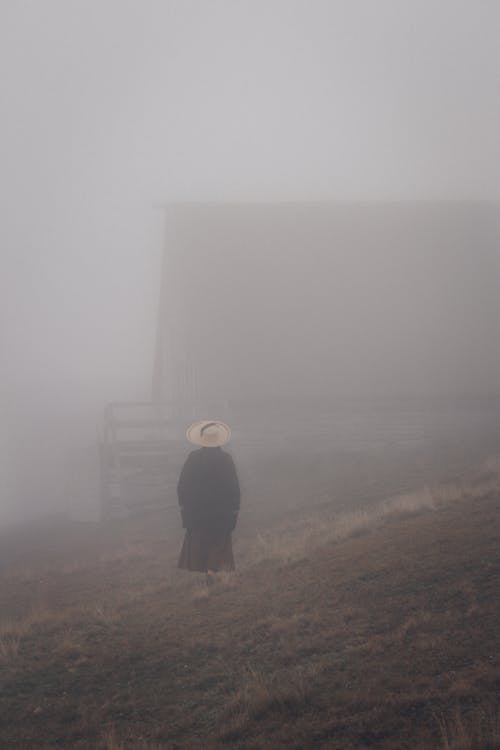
(111, 107)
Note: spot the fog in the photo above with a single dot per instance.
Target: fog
(112, 111)
(330, 301)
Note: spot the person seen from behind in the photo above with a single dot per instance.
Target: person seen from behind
(209, 498)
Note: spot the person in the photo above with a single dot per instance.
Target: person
(209, 498)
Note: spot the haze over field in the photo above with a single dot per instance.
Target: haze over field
(111, 109)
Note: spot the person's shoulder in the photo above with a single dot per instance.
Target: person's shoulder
(226, 456)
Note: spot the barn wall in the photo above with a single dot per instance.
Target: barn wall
(321, 301)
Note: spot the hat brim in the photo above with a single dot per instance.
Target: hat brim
(195, 436)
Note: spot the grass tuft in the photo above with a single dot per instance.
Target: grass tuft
(9, 646)
(477, 730)
(262, 694)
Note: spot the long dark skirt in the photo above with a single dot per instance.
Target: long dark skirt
(206, 549)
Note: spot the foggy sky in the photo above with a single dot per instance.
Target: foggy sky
(109, 108)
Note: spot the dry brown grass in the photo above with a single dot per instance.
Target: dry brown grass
(411, 625)
(260, 694)
(293, 542)
(200, 590)
(124, 553)
(38, 615)
(68, 621)
(9, 646)
(476, 730)
(374, 627)
(69, 643)
(111, 741)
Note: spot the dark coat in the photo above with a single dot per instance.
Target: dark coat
(209, 491)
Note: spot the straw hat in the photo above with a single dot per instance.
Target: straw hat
(208, 434)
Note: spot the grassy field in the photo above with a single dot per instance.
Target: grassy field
(377, 628)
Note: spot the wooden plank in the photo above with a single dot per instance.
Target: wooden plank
(117, 423)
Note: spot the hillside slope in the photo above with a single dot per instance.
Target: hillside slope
(387, 638)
